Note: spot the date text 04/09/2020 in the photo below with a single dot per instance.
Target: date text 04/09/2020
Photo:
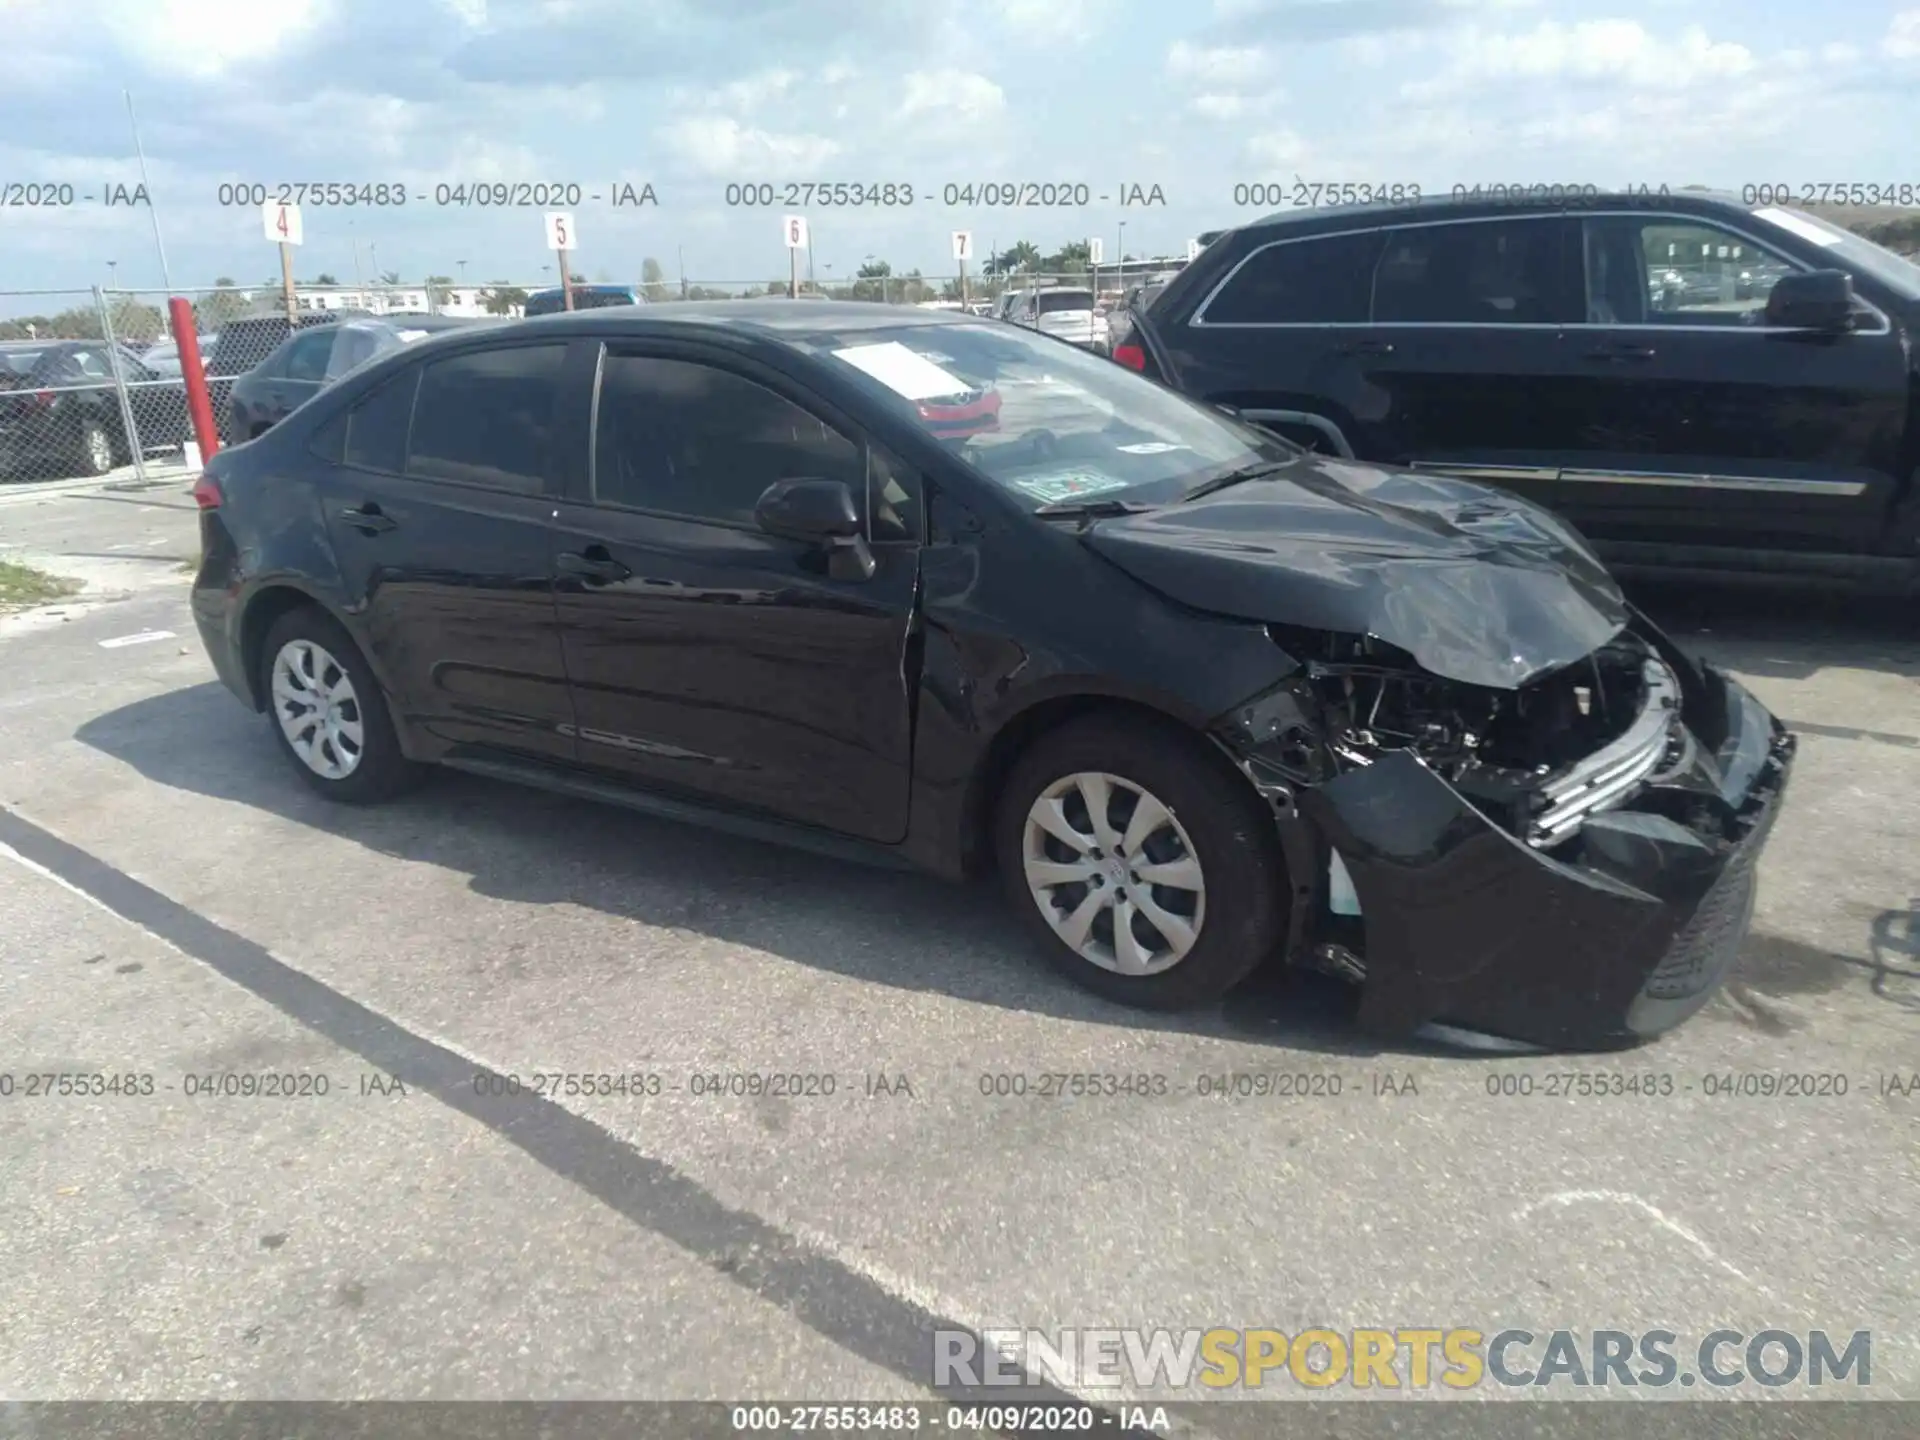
(461, 194)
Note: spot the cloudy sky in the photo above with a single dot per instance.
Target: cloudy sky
(692, 95)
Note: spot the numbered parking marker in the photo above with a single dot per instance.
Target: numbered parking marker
(281, 222)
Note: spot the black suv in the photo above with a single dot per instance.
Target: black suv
(1699, 385)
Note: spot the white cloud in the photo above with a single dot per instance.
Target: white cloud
(756, 90)
(1220, 67)
(721, 145)
(1903, 35)
(203, 38)
(960, 94)
(1047, 19)
(1620, 52)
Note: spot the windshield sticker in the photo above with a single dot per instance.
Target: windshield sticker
(903, 371)
(1151, 447)
(1800, 225)
(1069, 485)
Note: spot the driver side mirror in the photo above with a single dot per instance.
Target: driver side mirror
(822, 513)
(1815, 300)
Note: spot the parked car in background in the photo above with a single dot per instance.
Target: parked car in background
(163, 358)
(1063, 311)
(60, 413)
(585, 297)
(245, 342)
(1754, 431)
(314, 358)
(1201, 698)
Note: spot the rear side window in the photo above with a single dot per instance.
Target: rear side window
(377, 426)
(306, 358)
(486, 418)
(1057, 300)
(1321, 281)
(1490, 272)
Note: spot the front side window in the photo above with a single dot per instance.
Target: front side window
(1321, 281)
(1488, 272)
(1047, 422)
(690, 439)
(486, 418)
(1658, 270)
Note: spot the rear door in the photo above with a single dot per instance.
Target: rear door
(1465, 365)
(1695, 421)
(708, 657)
(440, 513)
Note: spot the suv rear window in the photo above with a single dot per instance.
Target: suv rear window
(1320, 281)
(1054, 301)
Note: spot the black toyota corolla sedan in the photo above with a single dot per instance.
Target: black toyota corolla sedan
(915, 586)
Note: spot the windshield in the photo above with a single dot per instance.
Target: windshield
(1849, 251)
(1053, 301)
(1048, 422)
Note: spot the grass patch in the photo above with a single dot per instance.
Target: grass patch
(22, 585)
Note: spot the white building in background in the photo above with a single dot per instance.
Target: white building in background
(461, 300)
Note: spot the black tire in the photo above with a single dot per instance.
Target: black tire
(382, 771)
(83, 448)
(1231, 832)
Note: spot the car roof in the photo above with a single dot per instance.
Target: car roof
(1468, 207)
(771, 316)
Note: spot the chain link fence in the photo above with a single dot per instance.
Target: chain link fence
(92, 382)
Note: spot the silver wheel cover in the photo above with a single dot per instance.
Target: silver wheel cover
(317, 710)
(99, 450)
(1114, 873)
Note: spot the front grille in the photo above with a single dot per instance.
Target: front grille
(1709, 942)
(1610, 775)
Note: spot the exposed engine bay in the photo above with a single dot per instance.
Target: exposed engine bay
(1535, 760)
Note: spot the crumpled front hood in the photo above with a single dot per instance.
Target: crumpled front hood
(1478, 586)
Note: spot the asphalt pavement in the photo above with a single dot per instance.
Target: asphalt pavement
(176, 907)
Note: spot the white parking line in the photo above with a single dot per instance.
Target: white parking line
(145, 637)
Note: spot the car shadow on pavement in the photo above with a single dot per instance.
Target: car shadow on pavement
(899, 929)
(1786, 634)
(888, 928)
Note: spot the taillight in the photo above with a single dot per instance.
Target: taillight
(43, 398)
(1131, 356)
(206, 494)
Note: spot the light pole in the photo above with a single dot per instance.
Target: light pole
(1120, 255)
(111, 272)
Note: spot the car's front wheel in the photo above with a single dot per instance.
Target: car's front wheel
(1146, 869)
(328, 711)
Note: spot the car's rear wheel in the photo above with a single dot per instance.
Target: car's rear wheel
(328, 711)
(93, 448)
(1145, 868)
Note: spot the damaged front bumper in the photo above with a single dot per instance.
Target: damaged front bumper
(1603, 932)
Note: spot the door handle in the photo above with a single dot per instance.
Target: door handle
(1367, 347)
(594, 565)
(368, 519)
(1624, 351)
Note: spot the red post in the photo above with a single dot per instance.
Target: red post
(186, 337)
